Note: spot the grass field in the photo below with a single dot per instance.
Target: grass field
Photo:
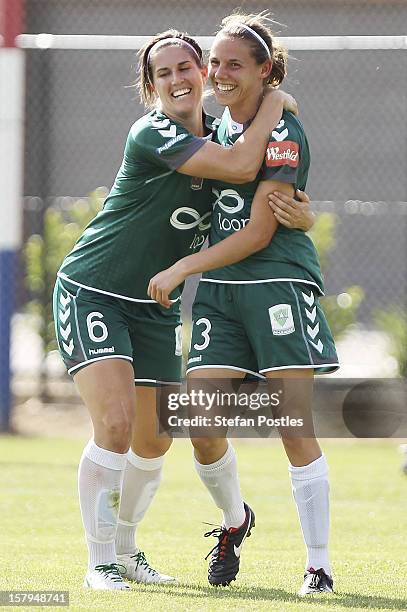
(42, 545)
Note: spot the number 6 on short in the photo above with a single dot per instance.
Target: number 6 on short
(94, 325)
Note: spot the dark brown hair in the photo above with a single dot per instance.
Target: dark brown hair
(232, 26)
(145, 80)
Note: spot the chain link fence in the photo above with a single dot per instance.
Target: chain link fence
(353, 103)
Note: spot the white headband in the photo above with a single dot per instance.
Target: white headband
(259, 38)
(172, 40)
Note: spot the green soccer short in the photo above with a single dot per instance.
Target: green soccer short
(91, 326)
(260, 327)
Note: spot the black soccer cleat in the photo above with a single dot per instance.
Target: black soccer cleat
(225, 559)
(316, 581)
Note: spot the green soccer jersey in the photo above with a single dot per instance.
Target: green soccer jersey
(152, 217)
(291, 254)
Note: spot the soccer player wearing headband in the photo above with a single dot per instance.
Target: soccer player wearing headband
(110, 333)
(260, 315)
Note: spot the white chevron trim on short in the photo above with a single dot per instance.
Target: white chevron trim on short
(319, 347)
(313, 331)
(310, 299)
(65, 333)
(64, 300)
(311, 314)
(68, 348)
(63, 316)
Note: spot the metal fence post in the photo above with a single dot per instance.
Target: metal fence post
(11, 162)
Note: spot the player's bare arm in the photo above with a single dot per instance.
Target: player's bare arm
(255, 236)
(241, 162)
(292, 212)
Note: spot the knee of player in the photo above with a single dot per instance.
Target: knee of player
(302, 447)
(208, 446)
(117, 426)
(155, 447)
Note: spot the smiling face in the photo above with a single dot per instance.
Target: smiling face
(178, 81)
(237, 79)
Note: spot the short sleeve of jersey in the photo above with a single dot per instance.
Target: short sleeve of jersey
(162, 142)
(284, 151)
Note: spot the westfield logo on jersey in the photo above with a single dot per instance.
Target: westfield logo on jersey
(280, 153)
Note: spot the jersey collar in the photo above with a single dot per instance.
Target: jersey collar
(233, 127)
